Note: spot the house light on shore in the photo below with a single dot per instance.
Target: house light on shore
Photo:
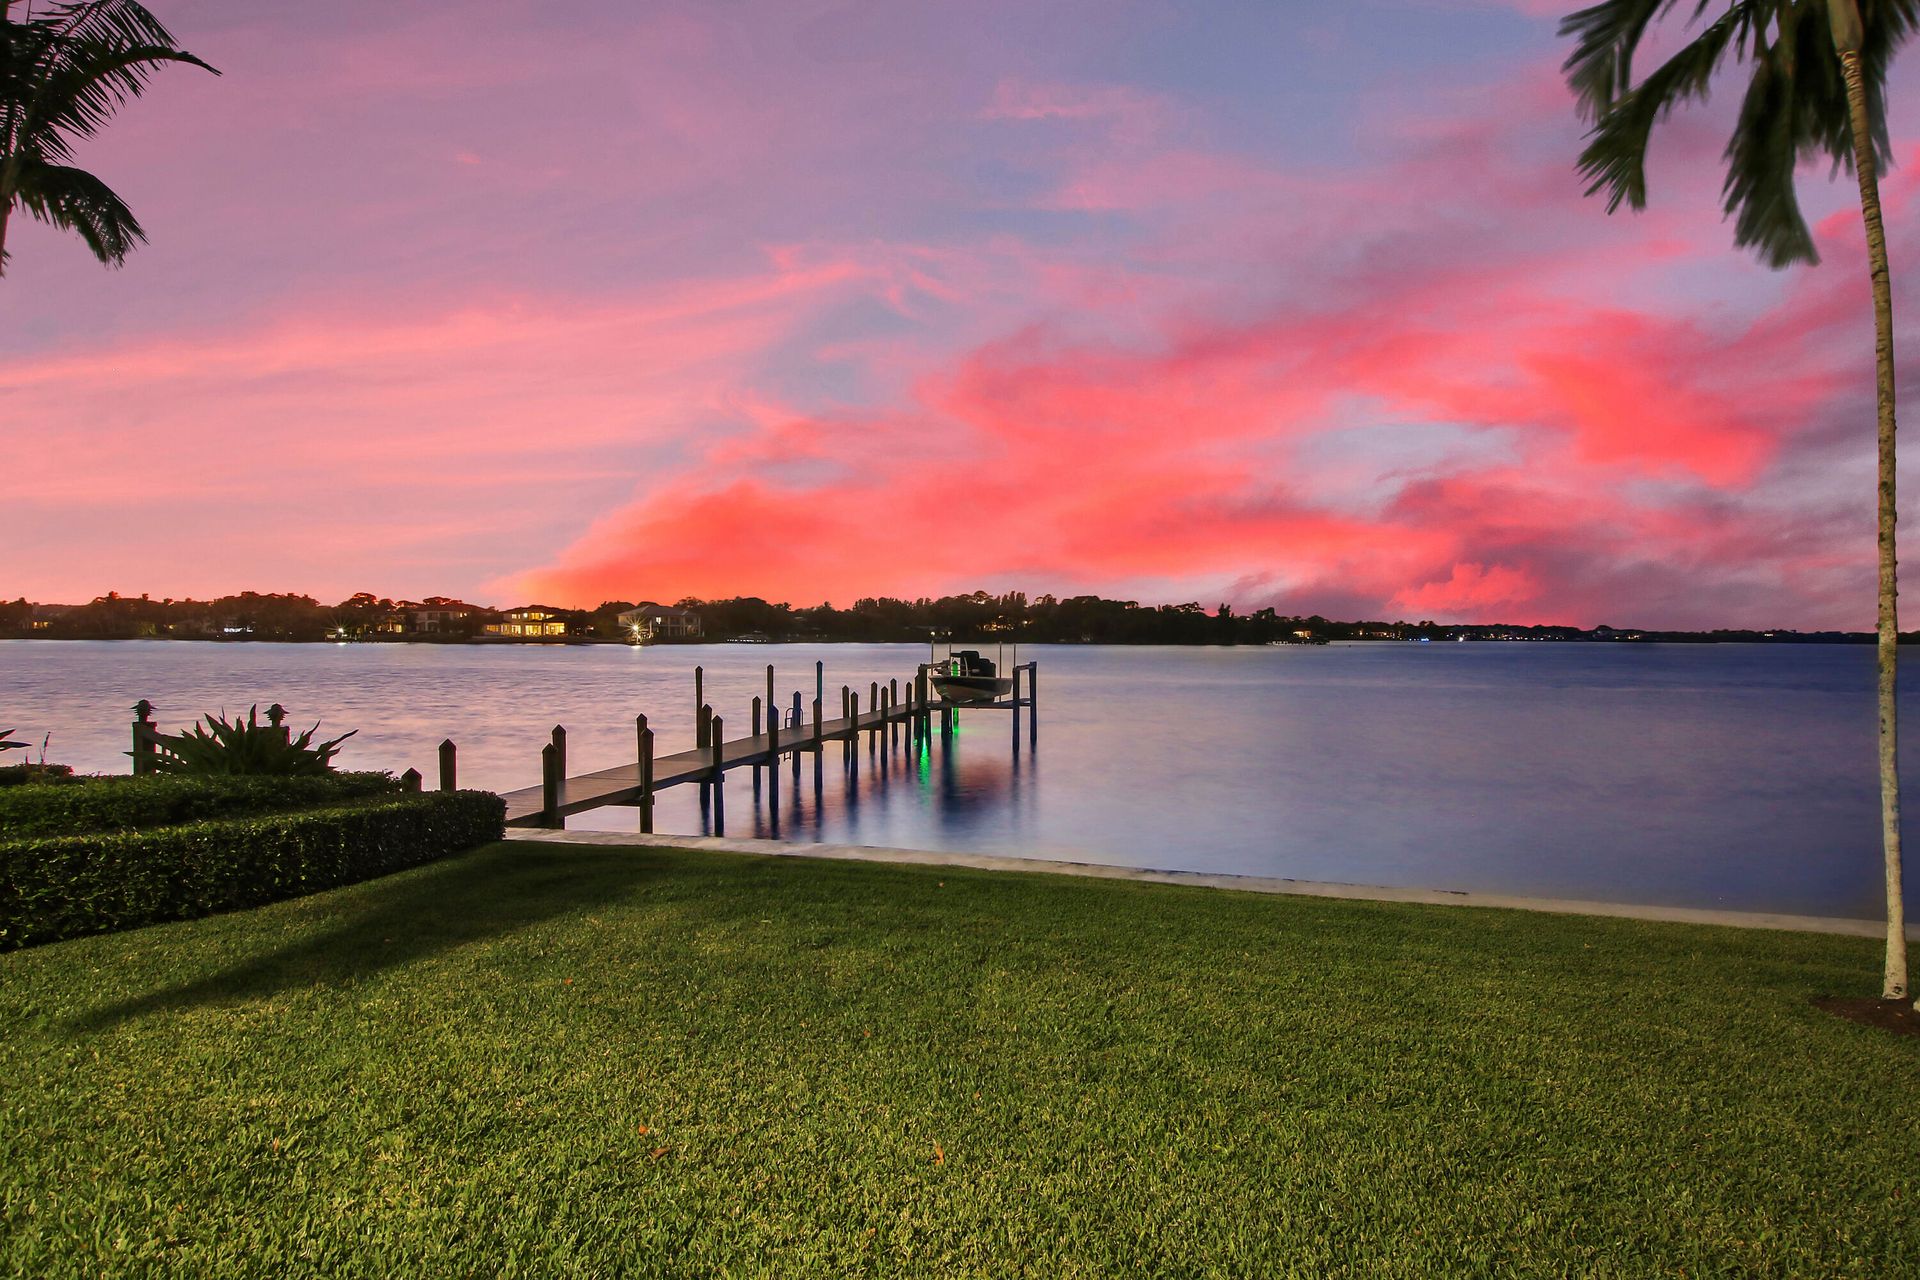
(650, 621)
(528, 622)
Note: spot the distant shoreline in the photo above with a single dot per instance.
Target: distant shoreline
(975, 618)
(587, 642)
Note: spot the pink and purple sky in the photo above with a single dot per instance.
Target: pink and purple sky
(1266, 302)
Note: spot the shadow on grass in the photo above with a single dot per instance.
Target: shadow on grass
(393, 921)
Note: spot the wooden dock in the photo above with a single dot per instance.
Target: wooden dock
(889, 711)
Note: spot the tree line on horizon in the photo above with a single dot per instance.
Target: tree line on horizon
(972, 616)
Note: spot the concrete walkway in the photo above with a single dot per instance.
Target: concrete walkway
(1245, 884)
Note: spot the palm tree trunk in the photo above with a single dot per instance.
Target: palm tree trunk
(6, 152)
(1889, 631)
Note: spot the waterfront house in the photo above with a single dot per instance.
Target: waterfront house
(650, 621)
(434, 616)
(438, 615)
(529, 622)
(395, 622)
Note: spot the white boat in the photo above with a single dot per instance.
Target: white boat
(965, 676)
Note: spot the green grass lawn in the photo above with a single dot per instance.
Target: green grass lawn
(577, 1061)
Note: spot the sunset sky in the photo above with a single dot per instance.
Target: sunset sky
(1274, 303)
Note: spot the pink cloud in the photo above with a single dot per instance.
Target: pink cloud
(1470, 589)
(1130, 116)
(1648, 439)
(427, 430)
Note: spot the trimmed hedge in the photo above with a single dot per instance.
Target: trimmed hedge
(23, 775)
(124, 803)
(67, 886)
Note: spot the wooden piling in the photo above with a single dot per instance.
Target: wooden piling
(755, 734)
(410, 780)
(1015, 714)
(773, 772)
(699, 696)
(646, 776)
(449, 774)
(718, 741)
(852, 749)
(1033, 703)
(144, 746)
(550, 776)
(560, 748)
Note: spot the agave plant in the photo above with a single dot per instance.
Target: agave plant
(245, 746)
(10, 746)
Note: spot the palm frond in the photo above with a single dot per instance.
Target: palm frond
(1615, 158)
(1888, 25)
(63, 74)
(126, 21)
(1759, 190)
(96, 77)
(22, 52)
(1600, 68)
(1796, 107)
(74, 200)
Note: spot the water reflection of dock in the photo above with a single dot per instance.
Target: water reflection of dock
(889, 792)
(893, 718)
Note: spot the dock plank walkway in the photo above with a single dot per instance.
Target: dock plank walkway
(621, 784)
(644, 776)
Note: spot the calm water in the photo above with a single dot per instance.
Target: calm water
(1739, 776)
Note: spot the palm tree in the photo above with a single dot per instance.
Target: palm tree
(1817, 87)
(62, 76)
